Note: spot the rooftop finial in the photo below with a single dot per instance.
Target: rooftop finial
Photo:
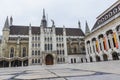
(11, 21)
(79, 24)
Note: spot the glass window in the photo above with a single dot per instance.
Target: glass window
(32, 38)
(63, 52)
(24, 52)
(32, 52)
(12, 52)
(38, 38)
(35, 52)
(38, 60)
(35, 60)
(33, 45)
(32, 60)
(38, 52)
(38, 45)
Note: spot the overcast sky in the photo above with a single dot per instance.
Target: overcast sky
(63, 12)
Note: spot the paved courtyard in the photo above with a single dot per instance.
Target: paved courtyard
(109, 70)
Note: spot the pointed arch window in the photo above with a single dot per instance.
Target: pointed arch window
(12, 52)
(24, 51)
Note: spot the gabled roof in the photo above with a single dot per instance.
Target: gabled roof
(24, 30)
(74, 32)
(35, 30)
(59, 31)
(19, 30)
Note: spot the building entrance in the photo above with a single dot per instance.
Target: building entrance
(49, 60)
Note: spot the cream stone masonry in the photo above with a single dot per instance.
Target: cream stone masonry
(41, 45)
(105, 36)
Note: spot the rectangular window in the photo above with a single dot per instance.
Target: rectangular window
(32, 38)
(32, 52)
(33, 45)
(38, 45)
(38, 38)
(51, 47)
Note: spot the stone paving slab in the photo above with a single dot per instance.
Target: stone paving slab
(109, 70)
(35, 76)
(5, 77)
(97, 77)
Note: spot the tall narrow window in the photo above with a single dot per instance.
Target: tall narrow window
(35, 60)
(71, 60)
(12, 52)
(32, 60)
(35, 52)
(74, 60)
(24, 51)
(51, 47)
(38, 52)
(38, 60)
(32, 52)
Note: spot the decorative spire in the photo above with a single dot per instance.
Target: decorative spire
(87, 30)
(11, 21)
(6, 25)
(43, 13)
(79, 24)
(44, 21)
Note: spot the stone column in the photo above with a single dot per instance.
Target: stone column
(102, 45)
(91, 47)
(95, 47)
(111, 41)
(10, 64)
(86, 47)
(22, 63)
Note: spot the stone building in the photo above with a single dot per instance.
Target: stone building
(41, 45)
(103, 41)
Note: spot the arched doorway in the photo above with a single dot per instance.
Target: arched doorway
(16, 63)
(105, 57)
(115, 56)
(97, 59)
(4, 63)
(49, 60)
(91, 60)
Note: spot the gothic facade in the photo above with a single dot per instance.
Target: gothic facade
(40, 45)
